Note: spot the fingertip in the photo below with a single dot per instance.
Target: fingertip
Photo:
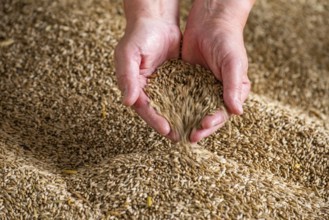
(130, 95)
(128, 100)
(234, 71)
(173, 136)
(214, 119)
(234, 105)
(207, 123)
(211, 121)
(195, 136)
(150, 116)
(164, 128)
(238, 107)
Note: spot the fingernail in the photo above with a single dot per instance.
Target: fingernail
(215, 122)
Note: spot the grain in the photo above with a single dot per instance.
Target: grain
(60, 109)
(66, 171)
(6, 43)
(149, 201)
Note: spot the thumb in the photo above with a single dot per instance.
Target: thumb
(232, 72)
(127, 72)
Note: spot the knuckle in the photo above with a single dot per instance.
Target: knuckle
(230, 61)
(233, 88)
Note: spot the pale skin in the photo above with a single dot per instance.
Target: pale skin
(213, 38)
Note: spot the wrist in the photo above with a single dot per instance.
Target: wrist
(164, 10)
(232, 12)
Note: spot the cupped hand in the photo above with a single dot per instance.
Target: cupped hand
(146, 44)
(216, 42)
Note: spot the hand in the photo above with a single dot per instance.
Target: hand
(214, 38)
(148, 42)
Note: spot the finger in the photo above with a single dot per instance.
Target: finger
(150, 116)
(232, 73)
(215, 119)
(197, 135)
(245, 89)
(127, 72)
(173, 136)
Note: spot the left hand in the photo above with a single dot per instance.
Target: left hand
(152, 36)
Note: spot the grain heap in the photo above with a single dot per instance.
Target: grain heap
(70, 150)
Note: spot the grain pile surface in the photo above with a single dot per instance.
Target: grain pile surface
(70, 150)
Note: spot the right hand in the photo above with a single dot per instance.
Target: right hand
(213, 38)
(146, 44)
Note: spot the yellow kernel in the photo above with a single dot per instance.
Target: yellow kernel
(297, 166)
(67, 171)
(149, 201)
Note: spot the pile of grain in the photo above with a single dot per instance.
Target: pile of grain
(70, 149)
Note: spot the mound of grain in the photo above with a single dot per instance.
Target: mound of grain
(70, 150)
